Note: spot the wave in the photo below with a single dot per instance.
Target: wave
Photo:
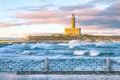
(27, 52)
(116, 60)
(86, 52)
(22, 46)
(79, 52)
(28, 46)
(73, 47)
(63, 44)
(73, 43)
(41, 46)
(6, 50)
(108, 44)
(94, 53)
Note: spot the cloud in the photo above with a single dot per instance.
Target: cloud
(99, 29)
(102, 1)
(75, 7)
(57, 17)
(94, 27)
(88, 19)
(49, 21)
(113, 10)
(87, 16)
(3, 24)
(84, 17)
(109, 17)
(117, 18)
(88, 12)
(89, 5)
(32, 8)
(42, 14)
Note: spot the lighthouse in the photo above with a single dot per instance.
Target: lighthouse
(73, 21)
(73, 30)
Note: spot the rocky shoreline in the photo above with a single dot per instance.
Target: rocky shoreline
(65, 39)
(81, 38)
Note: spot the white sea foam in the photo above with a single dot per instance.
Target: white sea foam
(94, 53)
(71, 46)
(100, 44)
(107, 44)
(49, 49)
(27, 52)
(40, 45)
(116, 60)
(79, 52)
(19, 46)
(63, 44)
(24, 43)
(73, 43)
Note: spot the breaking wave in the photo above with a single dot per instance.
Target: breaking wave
(63, 44)
(80, 52)
(70, 49)
(73, 43)
(94, 53)
(108, 44)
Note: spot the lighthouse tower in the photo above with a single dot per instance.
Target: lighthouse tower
(73, 30)
(73, 21)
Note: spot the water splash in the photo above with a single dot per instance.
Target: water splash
(80, 52)
(73, 43)
(94, 53)
(27, 52)
(70, 49)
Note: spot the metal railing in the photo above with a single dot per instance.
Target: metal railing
(48, 65)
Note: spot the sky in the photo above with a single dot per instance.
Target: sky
(20, 18)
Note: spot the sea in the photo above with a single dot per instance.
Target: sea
(72, 49)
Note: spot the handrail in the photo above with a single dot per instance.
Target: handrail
(49, 65)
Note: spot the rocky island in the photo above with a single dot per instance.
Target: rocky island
(66, 38)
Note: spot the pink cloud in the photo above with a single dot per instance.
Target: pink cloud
(95, 27)
(42, 14)
(99, 29)
(3, 24)
(85, 18)
(117, 18)
(49, 20)
(87, 12)
(57, 17)
(55, 14)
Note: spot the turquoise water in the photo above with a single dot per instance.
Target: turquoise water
(72, 49)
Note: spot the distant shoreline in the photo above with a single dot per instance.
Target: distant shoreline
(65, 39)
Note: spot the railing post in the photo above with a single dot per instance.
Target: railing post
(46, 64)
(108, 64)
